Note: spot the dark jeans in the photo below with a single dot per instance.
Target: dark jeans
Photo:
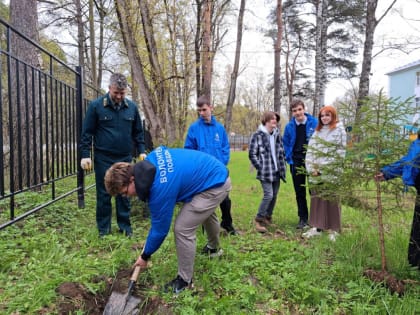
(414, 244)
(299, 184)
(269, 199)
(225, 207)
(103, 199)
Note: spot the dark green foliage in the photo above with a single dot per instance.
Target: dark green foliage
(345, 27)
(376, 139)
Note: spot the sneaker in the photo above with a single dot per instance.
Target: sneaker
(312, 232)
(177, 285)
(333, 236)
(302, 224)
(229, 229)
(259, 225)
(212, 252)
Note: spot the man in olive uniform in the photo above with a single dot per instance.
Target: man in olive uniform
(113, 123)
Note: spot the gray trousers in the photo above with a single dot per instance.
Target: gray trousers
(199, 211)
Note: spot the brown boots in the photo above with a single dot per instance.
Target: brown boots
(260, 225)
(269, 221)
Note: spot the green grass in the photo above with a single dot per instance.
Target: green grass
(278, 273)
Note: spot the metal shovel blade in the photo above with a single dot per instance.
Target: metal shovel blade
(119, 305)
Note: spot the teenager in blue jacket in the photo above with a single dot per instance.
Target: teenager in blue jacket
(206, 134)
(166, 177)
(408, 167)
(295, 139)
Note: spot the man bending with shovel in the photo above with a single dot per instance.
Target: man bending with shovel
(166, 177)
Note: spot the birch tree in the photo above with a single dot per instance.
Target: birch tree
(320, 54)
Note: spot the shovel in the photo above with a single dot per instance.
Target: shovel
(124, 304)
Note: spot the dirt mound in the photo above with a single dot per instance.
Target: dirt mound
(393, 284)
(75, 297)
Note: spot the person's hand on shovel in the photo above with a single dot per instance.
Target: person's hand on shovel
(141, 262)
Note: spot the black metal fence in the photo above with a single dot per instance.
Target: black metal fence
(239, 142)
(42, 103)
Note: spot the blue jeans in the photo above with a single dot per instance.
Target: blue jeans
(268, 202)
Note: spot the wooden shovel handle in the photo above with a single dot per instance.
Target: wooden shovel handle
(135, 274)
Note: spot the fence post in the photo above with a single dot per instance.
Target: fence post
(79, 120)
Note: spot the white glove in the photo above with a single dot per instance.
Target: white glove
(86, 164)
(142, 156)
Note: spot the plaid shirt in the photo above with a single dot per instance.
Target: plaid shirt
(262, 159)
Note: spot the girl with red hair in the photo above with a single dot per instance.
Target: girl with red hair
(326, 149)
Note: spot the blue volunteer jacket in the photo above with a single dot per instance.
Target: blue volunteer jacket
(289, 135)
(408, 167)
(210, 138)
(168, 176)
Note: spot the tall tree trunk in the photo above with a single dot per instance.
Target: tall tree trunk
(290, 68)
(277, 54)
(371, 24)
(92, 41)
(197, 46)
(320, 54)
(290, 78)
(80, 36)
(367, 50)
(158, 76)
(150, 108)
(288, 75)
(102, 14)
(207, 53)
(323, 70)
(234, 75)
(24, 106)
